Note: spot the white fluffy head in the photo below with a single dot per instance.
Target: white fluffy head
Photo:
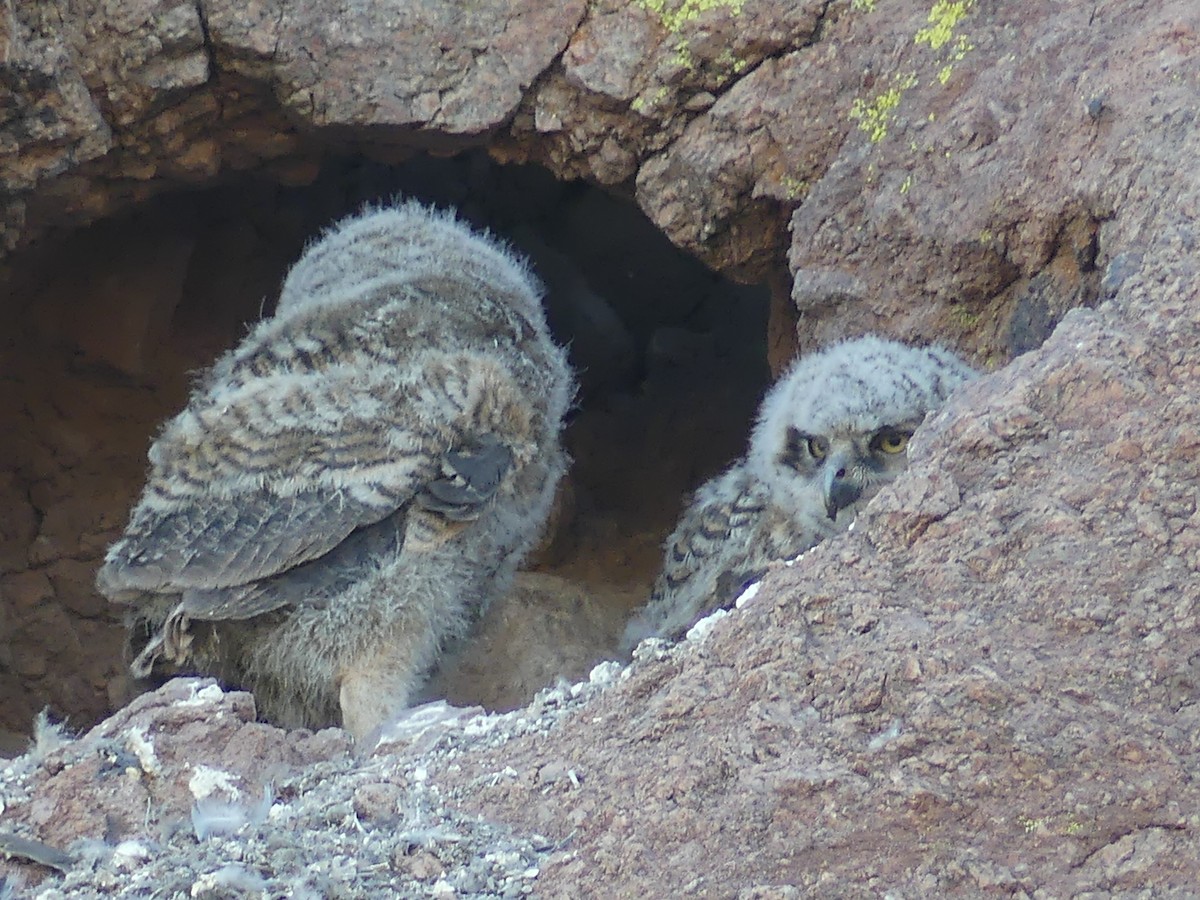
(849, 390)
(396, 244)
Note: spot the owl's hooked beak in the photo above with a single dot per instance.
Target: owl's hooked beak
(842, 485)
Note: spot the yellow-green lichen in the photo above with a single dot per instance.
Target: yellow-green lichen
(730, 63)
(1031, 825)
(644, 103)
(862, 5)
(794, 188)
(962, 47)
(1051, 825)
(673, 17)
(874, 116)
(940, 33)
(906, 185)
(683, 57)
(963, 318)
(943, 19)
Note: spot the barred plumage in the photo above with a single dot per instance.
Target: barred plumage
(829, 435)
(352, 484)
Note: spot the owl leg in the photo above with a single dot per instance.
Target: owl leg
(411, 610)
(376, 686)
(143, 663)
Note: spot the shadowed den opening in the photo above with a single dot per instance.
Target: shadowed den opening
(107, 327)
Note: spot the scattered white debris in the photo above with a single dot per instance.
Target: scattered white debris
(206, 781)
(748, 594)
(651, 648)
(211, 815)
(139, 745)
(507, 772)
(886, 736)
(799, 556)
(701, 629)
(416, 722)
(230, 878)
(478, 726)
(324, 835)
(200, 696)
(130, 854)
(605, 673)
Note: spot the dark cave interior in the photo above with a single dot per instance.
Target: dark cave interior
(106, 326)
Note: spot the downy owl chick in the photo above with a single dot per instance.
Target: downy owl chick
(830, 433)
(349, 487)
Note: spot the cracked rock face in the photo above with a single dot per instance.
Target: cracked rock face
(889, 156)
(988, 687)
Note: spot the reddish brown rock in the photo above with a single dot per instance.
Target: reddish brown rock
(444, 68)
(988, 687)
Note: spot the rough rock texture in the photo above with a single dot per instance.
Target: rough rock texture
(868, 128)
(443, 67)
(990, 687)
(183, 794)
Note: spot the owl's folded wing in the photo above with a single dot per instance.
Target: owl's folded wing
(221, 542)
(312, 584)
(246, 487)
(701, 541)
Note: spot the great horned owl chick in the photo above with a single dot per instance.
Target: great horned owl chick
(829, 434)
(350, 486)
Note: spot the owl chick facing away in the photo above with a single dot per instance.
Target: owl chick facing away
(830, 433)
(349, 487)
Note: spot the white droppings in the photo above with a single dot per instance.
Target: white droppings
(130, 854)
(748, 594)
(206, 781)
(201, 696)
(701, 629)
(605, 673)
(137, 743)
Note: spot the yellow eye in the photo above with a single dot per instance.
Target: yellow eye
(889, 440)
(818, 447)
